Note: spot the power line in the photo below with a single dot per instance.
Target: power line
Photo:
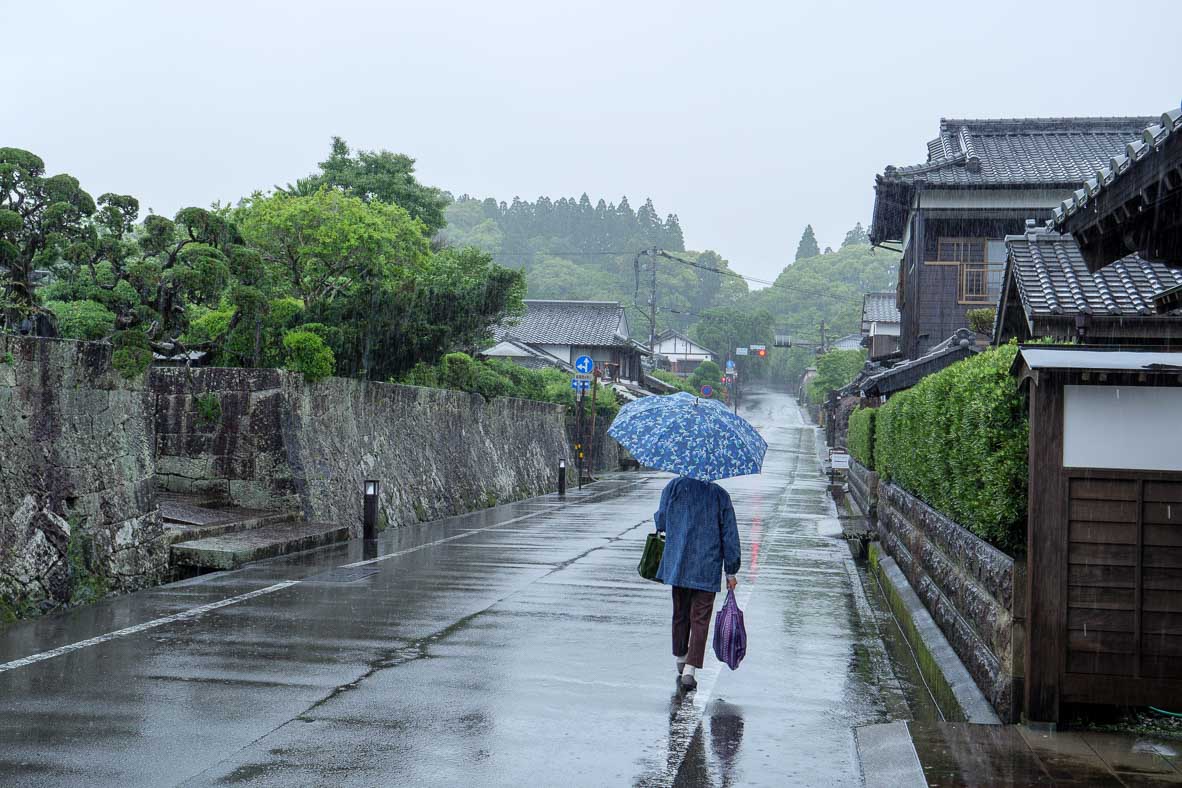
(719, 271)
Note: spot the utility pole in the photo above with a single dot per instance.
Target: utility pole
(822, 337)
(652, 304)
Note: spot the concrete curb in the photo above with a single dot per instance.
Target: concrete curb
(949, 681)
(887, 756)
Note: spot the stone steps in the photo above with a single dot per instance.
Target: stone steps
(185, 532)
(232, 550)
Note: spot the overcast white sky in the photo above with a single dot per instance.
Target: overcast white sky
(746, 119)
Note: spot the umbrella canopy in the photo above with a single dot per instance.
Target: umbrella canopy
(689, 436)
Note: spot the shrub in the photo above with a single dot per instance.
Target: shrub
(458, 371)
(860, 437)
(706, 373)
(209, 408)
(673, 380)
(490, 383)
(981, 320)
(82, 319)
(132, 353)
(309, 354)
(958, 440)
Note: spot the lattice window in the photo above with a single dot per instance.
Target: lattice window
(960, 250)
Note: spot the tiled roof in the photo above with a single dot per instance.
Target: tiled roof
(904, 375)
(1020, 151)
(1149, 140)
(879, 308)
(525, 355)
(584, 323)
(848, 342)
(1053, 279)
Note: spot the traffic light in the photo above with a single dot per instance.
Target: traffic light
(762, 352)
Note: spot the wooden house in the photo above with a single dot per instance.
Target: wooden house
(678, 353)
(556, 333)
(951, 214)
(1104, 528)
(880, 325)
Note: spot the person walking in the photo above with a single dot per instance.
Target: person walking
(701, 541)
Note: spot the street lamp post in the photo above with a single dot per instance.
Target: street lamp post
(370, 516)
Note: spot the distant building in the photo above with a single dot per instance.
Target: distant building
(880, 324)
(678, 353)
(556, 333)
(848, 342)
(981, 181)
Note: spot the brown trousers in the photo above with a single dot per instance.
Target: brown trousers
(691, 623)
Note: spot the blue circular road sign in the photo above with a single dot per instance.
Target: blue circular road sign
(584, 365)
(707, 390)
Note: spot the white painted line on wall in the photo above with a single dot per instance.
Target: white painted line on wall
(156, 622)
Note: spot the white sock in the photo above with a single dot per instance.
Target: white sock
(688, 671)
(680, 660)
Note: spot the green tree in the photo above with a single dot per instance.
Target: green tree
(835, 370)
(808, 244)
(82, 319)
(827, 288)
(723, 329)
(377, 176)
(857, 236)
(707, 373)
(41, 219)
(345, 260)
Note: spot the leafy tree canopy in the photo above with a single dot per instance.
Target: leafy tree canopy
(377, 176)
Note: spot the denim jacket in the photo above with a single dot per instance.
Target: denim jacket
(701, 537)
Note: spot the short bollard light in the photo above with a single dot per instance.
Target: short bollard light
(370, 517)
(562, 476)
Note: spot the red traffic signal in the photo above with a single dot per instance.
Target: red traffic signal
(761, 352)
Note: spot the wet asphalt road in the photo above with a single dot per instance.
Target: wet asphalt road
(515, 646)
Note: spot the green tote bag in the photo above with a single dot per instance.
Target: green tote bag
(650, 559)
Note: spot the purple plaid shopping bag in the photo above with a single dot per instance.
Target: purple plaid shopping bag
(730, 636)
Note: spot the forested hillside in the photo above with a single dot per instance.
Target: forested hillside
(824, 288)
(572, 249)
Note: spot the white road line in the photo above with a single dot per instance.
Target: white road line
(409, 550)
(465, 534)
(201, 610)
(157, 622)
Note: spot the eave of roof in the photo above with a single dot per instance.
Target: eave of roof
(1152, 138)
(1075, 357)
(959, 346)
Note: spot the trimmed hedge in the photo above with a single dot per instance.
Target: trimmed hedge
(958, 440)
(860, 436)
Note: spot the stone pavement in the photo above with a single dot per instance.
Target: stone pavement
(955, 754)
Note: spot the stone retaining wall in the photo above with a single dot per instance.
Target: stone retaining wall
(76, 476)
(864, 489)
(280, 442)
(975, 592)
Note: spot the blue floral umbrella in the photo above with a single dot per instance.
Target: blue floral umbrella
(689, 436)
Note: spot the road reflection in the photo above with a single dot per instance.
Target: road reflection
(712, 754)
